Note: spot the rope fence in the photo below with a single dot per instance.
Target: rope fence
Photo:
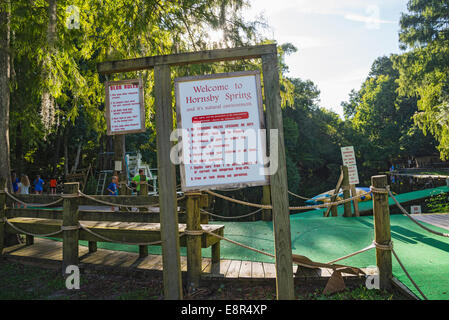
(260, 207)
(269, 207)
(81, 226)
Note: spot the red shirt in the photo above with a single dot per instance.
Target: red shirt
(53, 183)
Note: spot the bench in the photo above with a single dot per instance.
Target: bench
(132, 232)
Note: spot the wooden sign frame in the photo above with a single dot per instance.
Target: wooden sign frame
(167, 172)
(256, 74)
(141, 101)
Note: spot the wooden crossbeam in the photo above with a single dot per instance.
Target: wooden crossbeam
(206, 56)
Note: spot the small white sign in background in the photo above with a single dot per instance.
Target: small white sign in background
(348, 156)
(415, 209)
(125, 109)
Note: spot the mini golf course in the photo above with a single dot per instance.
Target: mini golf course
(425, 255)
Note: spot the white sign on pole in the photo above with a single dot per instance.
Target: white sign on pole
(125, 109)
(415, 209)
(348, 156)
(221, 116)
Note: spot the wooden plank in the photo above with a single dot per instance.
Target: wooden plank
(266, 200)
(121, 199)
(91, 215)
(167, 184)
(70, 219)
(269, 269)
(382, 232)
(257, 270)
(206, 265)
(193, 241)
(324, 272)
(334, 197)
(183, 263)
(346, 192)
(355, 201)
(245, 269)
(221, 268)
(278, 181)
(206, 56)
(234, 269)
(128, 232)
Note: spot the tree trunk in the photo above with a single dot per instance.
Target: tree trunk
(57, 150)
(66, 151)
(77, 158)
(5, 165)
(48, 102)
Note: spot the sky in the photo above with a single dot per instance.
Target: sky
(337, 40)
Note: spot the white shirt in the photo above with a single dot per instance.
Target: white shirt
(23, 189)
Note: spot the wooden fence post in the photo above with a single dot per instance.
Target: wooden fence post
(193, 241)
(70, 219)
(382, 232)
(266, 200)
(167, 184)
(278, 182)
(346, 192)
(143, 191)
(2, 214)
(355, 201)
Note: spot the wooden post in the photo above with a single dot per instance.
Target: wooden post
(119, 155)
(167, 184)
(70, 219)
(193, 241)
(346, 192)
(92, 246)
(143, 191)
(334, 209)
(2, 214)
(355, 201)
(204, 203)
(266, 213)
(278, 181)
(29, 240)
(382, 234)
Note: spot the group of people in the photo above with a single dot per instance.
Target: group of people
(23, 185)
(112, 188)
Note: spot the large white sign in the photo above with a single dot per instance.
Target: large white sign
(221, 117)
(348, 156)
(125, 109)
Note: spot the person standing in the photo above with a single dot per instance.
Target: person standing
(15, 182)
(139, 178)
(38, 185)
(53, 185)
(24, 185)
(112, 188)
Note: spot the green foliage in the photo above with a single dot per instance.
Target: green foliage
(424, 69)
(438, 203)
(66, 68)
(383, 131)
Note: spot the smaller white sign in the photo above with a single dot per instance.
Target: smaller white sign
(348, 156)
(415, 209)
(353, 174)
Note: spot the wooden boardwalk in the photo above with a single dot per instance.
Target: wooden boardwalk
(438, 220)
(48, 253)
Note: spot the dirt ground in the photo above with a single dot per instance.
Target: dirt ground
(25, 282)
